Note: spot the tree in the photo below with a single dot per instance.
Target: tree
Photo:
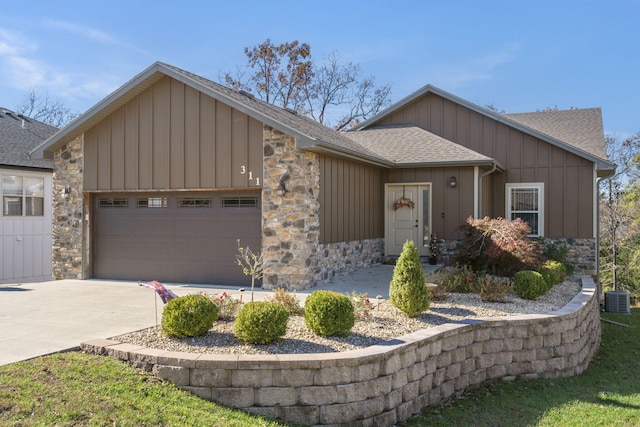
(272, 80)
(620, 214)
(42, 108)
(285, 75)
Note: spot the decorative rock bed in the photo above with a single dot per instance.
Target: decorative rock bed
(387, 382)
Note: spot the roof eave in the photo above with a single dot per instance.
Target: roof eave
(452, 163)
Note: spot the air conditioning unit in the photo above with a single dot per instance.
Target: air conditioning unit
(617, 302)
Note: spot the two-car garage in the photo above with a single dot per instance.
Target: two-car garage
(183, 237)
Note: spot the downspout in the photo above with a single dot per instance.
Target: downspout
(487, 173)
(598, 283)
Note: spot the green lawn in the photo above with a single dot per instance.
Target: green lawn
(74, 389)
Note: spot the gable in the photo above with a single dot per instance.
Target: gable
(171, 136)
(483, 134)
(446, 115)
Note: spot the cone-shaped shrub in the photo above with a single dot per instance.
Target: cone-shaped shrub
(407, 290)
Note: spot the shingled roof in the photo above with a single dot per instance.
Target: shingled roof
(18, 135)
(408, 145)
(581, 128)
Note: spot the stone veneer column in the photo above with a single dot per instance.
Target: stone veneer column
(68, 211)
(290, 224)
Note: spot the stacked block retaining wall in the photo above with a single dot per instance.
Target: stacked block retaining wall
(386, 383)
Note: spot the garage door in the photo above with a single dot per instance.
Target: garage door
(176, 238)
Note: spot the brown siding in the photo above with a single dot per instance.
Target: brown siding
(568, 178)
(173, 137)
(456, 204)
(351, 201)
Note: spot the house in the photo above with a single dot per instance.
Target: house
(166, 174)
(25, 189)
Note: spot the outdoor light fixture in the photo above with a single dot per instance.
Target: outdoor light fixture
(453, 182)
(282, 189)
(66, 191)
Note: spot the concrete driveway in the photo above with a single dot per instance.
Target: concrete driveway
(48, 317)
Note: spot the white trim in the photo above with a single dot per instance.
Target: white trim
(541, 212)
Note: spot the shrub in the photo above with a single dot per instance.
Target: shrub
(529, 284)
(361, 305)
(438, 293)
(408, 291)
(499, 246)
(493, 288)
(286, 300)
(458, 279)
(261, 322)
(558, 252)
(329, 313)
(553, 272)
(188, 316)
(227, 305)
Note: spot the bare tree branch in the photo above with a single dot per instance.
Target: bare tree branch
(42, 108)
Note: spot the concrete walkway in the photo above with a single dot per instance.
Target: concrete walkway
(48, 317)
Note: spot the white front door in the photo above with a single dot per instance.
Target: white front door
(410, 220)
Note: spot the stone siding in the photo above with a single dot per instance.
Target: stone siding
(384, 384)
(342, 258)
(68, 211)
(290, 224)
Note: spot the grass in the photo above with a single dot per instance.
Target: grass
(75, 389)
(607, 394)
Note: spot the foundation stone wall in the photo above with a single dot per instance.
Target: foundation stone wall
(68, 211)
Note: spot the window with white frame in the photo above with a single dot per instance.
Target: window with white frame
(526, 201)
(22, 195)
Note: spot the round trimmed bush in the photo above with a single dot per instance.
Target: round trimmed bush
(261, 322)
(529, 284)
(408, 291)
(329, 313)
(189, 316)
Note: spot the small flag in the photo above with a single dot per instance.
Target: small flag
(164, 293)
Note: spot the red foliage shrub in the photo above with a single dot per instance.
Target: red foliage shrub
(499, 246)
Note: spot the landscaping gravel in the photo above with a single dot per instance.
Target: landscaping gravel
(383, 322)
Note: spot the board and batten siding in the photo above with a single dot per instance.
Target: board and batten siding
(450, 207)
(351, 201)
(568, 179)
(173, 137)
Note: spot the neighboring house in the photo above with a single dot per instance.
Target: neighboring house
(169, 171)
(25, 190)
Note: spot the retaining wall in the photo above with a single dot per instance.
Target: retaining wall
(386, 383)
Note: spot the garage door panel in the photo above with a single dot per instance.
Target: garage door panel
(173, 244)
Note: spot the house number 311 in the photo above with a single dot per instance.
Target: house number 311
(243, 170)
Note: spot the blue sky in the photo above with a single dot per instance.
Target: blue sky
(516, 55)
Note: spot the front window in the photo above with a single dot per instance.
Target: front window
(22, 196)
(525, 201)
